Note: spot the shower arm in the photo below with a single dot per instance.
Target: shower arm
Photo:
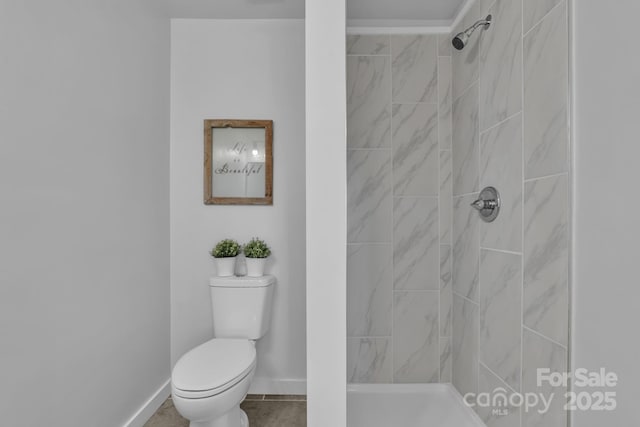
(485, 22)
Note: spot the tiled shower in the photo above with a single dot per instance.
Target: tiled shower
(399, 209)
(434, 293)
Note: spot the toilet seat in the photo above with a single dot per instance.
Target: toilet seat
(213, 367)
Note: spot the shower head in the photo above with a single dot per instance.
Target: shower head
(461, 39)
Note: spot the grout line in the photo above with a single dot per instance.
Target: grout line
(545, 337)
(522, 243)
(465, 298)
(360, 337)
(416, 290)
(377, 55)
(502, 251)
(368, 243)
(571, 37)
(555, 175)
(498, 377)
(415, 103)
(540, 21)
(458, 196)
(500, 123)
(439, 322)
(417, 197)
(393, 215)
(479, 228)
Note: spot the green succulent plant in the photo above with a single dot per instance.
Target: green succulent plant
(256, 248)
(227, 248)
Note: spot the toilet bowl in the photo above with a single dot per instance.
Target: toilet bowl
(209, 382)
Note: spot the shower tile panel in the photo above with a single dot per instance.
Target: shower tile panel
(546, 77)
(496, 416)
(445, 360)
(416, 341)
(415, 150)
(465, 143)
(466, 250)
(446, 196)
(484, 7)
(539, 353)
(446, 294)
(546, 257)
(368, 45)
(501, 64)
(369, 201)
(466, 61)
(465, 345)
(368, 102)
(444, 44)
(369, 360)
(415, 244)
(510, 130)
(501, 314)
(369, 290)
(414, 68)
(535, 10)
(445, 101)
(501, 167)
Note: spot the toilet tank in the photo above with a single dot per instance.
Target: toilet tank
(241, 306)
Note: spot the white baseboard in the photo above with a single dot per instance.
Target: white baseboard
(150, 406)
(261, 385)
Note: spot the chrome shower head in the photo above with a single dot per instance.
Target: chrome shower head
(461, 39)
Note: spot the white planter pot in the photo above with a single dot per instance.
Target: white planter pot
(255, 267)
(226, 266)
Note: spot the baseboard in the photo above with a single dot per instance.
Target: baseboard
(150, 406)
(278, 386)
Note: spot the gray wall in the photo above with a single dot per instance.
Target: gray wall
(84, 277)
(399, 209)
(606, 225)
(510, 130)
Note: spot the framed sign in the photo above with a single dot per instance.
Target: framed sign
(238, 162)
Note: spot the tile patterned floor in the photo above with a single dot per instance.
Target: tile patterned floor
(263, 411)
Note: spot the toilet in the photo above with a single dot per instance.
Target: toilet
(209, 382)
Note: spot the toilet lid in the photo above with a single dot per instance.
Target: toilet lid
(216, 364)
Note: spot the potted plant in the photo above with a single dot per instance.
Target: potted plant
(225, 253)
(256, 252)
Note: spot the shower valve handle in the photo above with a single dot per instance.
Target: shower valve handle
(488, 204)
(485, 204)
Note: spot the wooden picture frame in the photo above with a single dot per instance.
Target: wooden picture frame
(238, 162)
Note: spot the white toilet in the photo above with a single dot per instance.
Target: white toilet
(209, 382)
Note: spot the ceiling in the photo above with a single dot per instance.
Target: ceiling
(416, 10)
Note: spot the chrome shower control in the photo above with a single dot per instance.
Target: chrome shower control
(488, 204)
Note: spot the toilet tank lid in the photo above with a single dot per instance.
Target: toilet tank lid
(242, 282)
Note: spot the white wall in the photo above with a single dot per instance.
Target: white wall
(239, 70)
(84, 248)
(326, 181)
(607, 232)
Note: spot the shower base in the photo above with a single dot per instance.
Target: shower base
(408, 405)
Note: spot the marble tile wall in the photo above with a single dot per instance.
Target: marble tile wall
(510, 278)
(400, 206)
